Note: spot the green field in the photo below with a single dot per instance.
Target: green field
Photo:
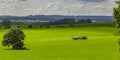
(57, 44)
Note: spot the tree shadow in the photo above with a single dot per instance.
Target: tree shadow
(17, 49)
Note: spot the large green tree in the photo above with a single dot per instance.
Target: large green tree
(14, 38)
(6, 23)
(116, 13)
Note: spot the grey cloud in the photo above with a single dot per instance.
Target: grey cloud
(92, 0)
(76, 7)
(22, 0)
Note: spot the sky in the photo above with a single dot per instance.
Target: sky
(57, 7)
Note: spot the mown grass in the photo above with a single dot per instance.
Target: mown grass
(57, 44)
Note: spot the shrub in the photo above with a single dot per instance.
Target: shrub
(41, 26)
(47, 26)
(18, 26)
(30, 26)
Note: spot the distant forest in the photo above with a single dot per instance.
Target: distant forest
(58, 17)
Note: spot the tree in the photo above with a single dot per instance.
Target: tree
(81, 21)
(41, 25)
(71, 22)
(6, 23)
(30, 26)
(116, 14)
(14, 38)
(89, 20)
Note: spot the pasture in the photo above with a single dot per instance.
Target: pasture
(57, 44)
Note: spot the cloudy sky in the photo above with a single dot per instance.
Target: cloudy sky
(56, 7)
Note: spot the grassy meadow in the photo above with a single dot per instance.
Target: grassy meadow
(57, 44)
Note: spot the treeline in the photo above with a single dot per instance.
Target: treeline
(70, 21)
(59, 23)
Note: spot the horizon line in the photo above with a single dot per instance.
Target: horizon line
(53, 15)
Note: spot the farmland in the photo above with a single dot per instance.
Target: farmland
(57, 44)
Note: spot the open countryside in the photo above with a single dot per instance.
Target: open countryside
(59, 30)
